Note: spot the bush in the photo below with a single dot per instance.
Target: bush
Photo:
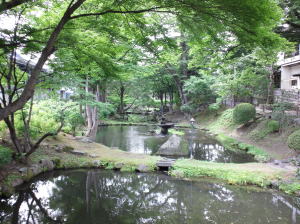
(225, 120)
(214, 108)
(282, 106)
(5, 155)
(294, 140)
(263, 129)
(273, 126)
(243, 113)
(187, 109)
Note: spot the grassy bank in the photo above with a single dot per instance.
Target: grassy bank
(241, 174)
(233, 136)
(94, 155)
(233, 144)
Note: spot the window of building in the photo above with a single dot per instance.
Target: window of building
(294, 82)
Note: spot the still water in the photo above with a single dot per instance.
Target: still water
(139, 139)
(104, 197)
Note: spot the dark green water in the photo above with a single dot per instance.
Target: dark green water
(99, 196)
(137, 139)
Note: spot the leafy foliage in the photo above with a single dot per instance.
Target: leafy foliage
(294, 140)
(243, 113)
(198, 89)
(214, 108)
(264, 129)
(273, 126)
(5, 155)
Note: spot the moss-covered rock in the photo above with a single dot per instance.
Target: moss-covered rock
(294, 140)
(243, 113)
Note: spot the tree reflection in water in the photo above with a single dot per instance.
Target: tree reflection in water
(112, 197)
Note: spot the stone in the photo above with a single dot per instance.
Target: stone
(93, 155)
(285, 161)
(35, 169)
(297, 121)
(58, 148)
(76, 152)
(86, 140)
(143, 168)
(23, 170)
(97, 163)
(119, 165)
(165, 163)
(174, 146)
(275, 184)
(276, 162)
(46, 164)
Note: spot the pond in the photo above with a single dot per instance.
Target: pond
(100, 196)
(194, 143)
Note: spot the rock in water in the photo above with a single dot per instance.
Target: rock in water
(143, 168)
(175, 146)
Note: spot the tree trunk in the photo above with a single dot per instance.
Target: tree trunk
(179, 86)
(102, 92)
(183, 71)
(92, 112)
(171, 101)
(28, 90)
(122, 93)
(161, 97)
(13, 134)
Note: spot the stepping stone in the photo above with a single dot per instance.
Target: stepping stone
(165, 163)
(78, 153)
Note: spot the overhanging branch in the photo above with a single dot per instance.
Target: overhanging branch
(153, 9)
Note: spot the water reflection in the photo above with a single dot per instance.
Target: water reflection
(110, 197)
(137, 139)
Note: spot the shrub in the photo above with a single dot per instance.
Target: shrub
(243, 113)
(5, 155)
(263, 129)
(74, 119)
(273, 126)
(214, 108)
(282, 106)
(187, 108)
(294, 140)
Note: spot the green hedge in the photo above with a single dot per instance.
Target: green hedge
(273, 126)
(243, 113)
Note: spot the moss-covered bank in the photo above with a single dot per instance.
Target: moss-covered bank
(94, 155)
(260, 174)
(233, 144)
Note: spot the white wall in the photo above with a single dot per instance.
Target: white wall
(287, 73)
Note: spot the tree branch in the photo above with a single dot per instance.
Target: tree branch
(47, 51)
(11, 4)
(37, 144)
(153, 9)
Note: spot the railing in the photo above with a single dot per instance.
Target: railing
(289, 60)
